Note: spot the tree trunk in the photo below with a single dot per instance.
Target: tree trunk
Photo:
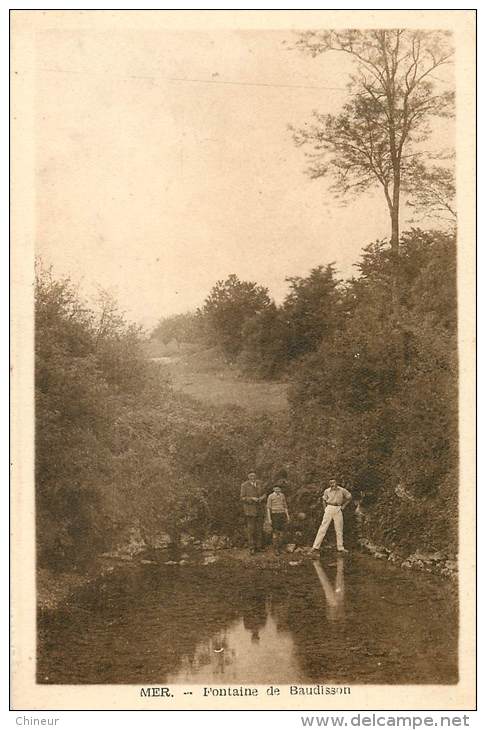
(395, 250)
(402, 337)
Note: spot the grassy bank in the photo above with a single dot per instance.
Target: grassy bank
(207, 377)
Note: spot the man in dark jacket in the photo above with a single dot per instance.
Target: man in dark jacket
(253, 497)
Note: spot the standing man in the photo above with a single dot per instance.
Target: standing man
(335, 500)
(253, 496)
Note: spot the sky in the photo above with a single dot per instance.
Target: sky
(164, 162)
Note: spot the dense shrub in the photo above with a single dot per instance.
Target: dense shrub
(376, 403)
(228, 306)
(180, 328)
(115, 446)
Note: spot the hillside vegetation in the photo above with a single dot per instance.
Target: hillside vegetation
(372, 394)
(371, 399)
(115, 446)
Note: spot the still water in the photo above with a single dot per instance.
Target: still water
(342, 620)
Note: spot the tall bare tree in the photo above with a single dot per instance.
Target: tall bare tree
(377, 138)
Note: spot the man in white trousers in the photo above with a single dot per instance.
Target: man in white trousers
(335, 500)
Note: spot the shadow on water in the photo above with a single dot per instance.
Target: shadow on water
(347, 620)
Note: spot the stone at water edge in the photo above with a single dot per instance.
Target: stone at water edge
(161, 541)
(186, 540)
(216, 542)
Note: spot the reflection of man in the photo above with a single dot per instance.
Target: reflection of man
(335, 500)
(253, 496)
(334, 596)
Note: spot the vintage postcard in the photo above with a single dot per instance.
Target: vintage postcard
(243, 378)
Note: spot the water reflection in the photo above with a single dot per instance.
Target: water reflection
(210, 658)
(239, 624)
(334, 595)
(252, 650)
(255, 646)
(255, 613)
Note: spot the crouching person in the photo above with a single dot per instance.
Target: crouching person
(277, 516)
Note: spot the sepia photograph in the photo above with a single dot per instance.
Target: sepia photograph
(243, 392)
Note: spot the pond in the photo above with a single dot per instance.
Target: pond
(343, 620)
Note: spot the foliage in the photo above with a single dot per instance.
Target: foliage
(311, 309)
(265, 336)
(272, 339)
(115, 446)
(377, 405)
(182, 328)
(435, 196)
(76, 403)
(228, 306)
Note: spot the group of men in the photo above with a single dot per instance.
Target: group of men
(273, 510)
